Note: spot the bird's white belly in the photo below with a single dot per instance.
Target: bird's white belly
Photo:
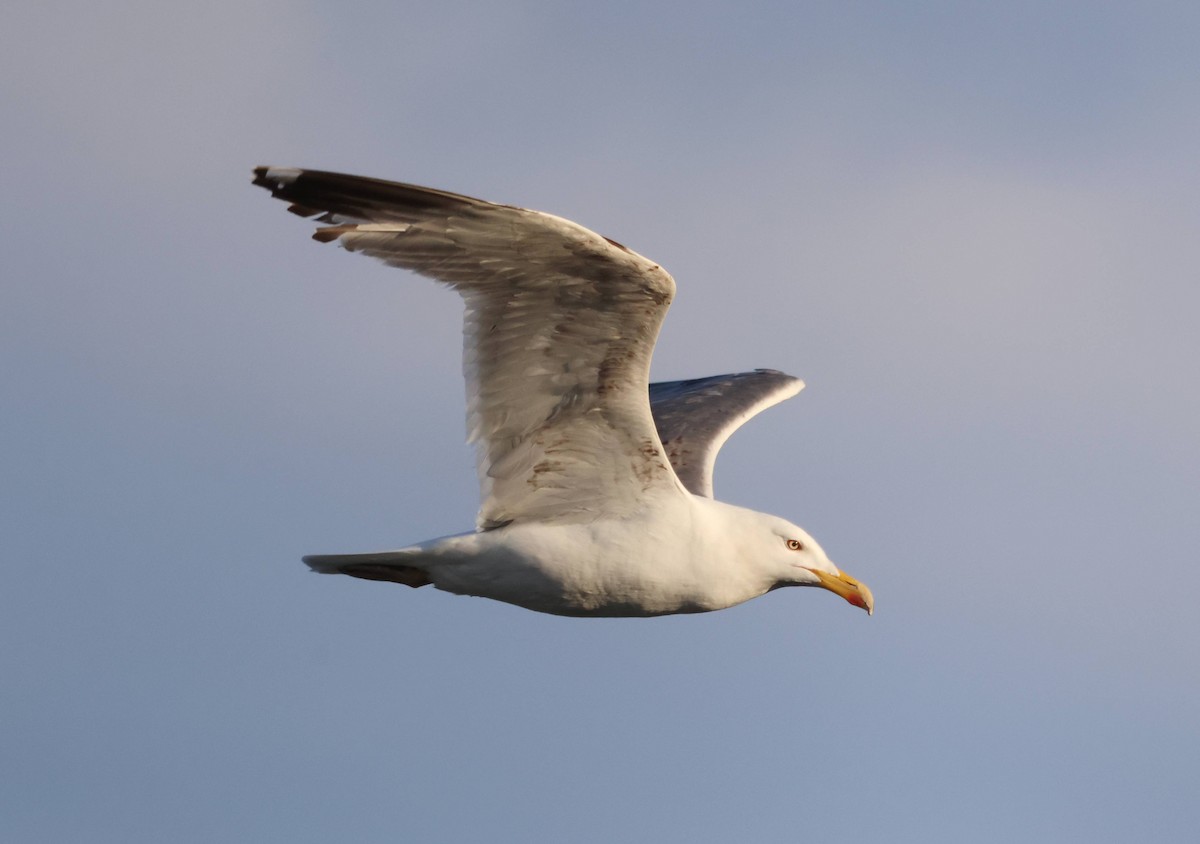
(601, 569)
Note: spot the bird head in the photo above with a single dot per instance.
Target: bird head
(798, 560)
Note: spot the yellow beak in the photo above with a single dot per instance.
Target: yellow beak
(849, 588)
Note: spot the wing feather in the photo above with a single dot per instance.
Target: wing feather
(696, 417)
(559, 329)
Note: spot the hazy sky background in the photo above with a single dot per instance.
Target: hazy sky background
(971, 228)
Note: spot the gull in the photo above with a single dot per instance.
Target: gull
(595, 485)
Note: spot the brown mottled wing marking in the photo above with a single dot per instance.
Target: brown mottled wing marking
(694, 418)
(560, 325)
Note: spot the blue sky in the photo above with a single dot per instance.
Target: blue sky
(971, 228)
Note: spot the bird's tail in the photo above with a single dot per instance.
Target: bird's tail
(394, 566)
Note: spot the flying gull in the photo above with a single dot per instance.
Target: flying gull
(596, 485)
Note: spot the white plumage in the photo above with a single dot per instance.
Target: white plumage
(584, 512)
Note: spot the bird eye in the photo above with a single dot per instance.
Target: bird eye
(795, 545)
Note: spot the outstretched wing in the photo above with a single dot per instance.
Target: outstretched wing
(559, 329)
(694, 418)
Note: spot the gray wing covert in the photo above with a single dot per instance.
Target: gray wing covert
(695, 417)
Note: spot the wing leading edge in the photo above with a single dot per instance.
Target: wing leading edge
(694, 418)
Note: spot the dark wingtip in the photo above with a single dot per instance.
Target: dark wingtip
(276, 179)
(329, 233)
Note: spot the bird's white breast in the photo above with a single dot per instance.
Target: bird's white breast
(674, 555)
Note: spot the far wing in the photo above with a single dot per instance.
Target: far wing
(694, 418)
